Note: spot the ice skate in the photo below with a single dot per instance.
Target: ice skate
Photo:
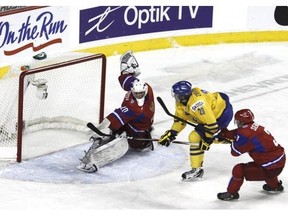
(226, 196)
(193, 174)
(85, 163)
(89, 168)
(280, 188)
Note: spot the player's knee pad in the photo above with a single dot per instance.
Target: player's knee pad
(238, 171)
(194, 137)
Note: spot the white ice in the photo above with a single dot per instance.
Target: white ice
(255, 77)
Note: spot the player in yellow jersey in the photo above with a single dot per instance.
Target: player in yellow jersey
(210, 111)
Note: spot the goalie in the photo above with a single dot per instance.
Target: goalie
(134, 118)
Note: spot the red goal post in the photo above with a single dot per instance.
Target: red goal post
(46, 109)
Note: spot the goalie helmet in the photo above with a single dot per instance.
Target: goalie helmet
(243, 117)
(139, 90)
(182, 91)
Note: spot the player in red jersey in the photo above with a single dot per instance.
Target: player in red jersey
(136, 114)
(134, 118)
(268, 156)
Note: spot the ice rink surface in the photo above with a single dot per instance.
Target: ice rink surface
(254, 75)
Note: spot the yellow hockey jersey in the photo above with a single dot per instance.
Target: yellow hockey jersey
(202, 108)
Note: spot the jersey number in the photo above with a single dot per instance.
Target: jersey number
(124, 109)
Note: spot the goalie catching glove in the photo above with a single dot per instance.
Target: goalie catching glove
(167, 138)
(129, 64)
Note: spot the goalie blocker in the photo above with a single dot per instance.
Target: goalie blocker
(103, 151)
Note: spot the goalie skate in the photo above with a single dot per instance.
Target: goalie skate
(85, 164)
(89, 168)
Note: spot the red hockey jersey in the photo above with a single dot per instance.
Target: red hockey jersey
(260, 145)
(138, 118)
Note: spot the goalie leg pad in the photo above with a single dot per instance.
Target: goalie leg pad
(109, 152)
(104, 154)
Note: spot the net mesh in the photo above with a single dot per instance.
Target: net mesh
(74, 89)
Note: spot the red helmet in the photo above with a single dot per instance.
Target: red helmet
(243, 117)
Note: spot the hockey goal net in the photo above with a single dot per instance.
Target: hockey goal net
(46, 108)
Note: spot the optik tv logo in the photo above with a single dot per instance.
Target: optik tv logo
(107, 22)
(133, 16)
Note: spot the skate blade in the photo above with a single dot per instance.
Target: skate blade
(193, 179)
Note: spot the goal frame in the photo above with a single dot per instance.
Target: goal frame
(20, 124)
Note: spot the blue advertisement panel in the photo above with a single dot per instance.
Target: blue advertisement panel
(115, 21)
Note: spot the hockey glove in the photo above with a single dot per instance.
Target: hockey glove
(205, 144)
(129, 64)
(225, 136)
(225, 133)
(219, 138)
(167, 138)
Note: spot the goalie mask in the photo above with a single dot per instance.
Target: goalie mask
(243, 117)
(139, 90)
(182, 91)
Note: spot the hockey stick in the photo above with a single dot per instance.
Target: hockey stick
(176, 117)
(180, 119)
(97, 131)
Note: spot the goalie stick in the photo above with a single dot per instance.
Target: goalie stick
(97, 131)
(182, 120)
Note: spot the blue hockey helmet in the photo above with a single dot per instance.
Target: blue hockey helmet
(181, 91)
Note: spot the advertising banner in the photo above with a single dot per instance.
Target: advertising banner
(115, 21)
(25, 33)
